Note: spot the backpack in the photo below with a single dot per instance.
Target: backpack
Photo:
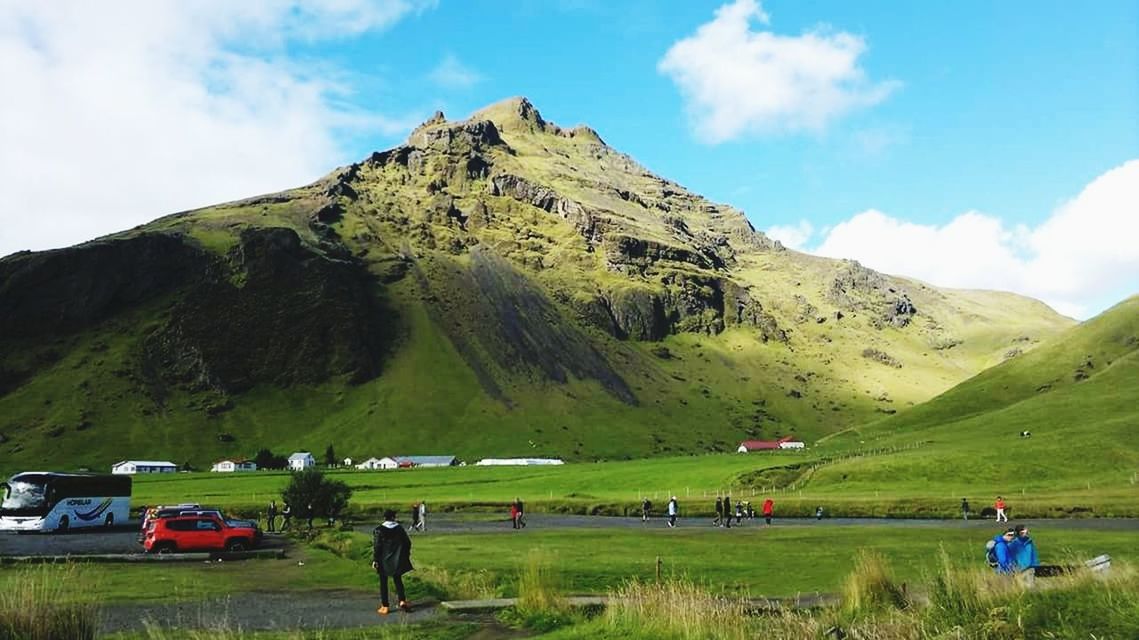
(991, 553)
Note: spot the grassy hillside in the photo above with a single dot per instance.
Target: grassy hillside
(497, 286)
(1078, 396)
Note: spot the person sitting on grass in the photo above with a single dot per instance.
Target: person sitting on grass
(391, 557)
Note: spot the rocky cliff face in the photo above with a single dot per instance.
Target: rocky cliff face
(493, 276)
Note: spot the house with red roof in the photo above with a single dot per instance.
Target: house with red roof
(786, 442)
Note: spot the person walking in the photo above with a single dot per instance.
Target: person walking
(414, 516)
(999, 505)
(309, 514)
(768, 511)
(391, 557)
(739, 513)
(271, 514)
(718, 520)
(965, 508)
(646, 509)
(819, 512)
(514, 513)
(521, 513)
(286, 516)
(728, 512)
(673, 511)
(422, 524)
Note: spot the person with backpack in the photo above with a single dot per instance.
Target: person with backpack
(646, 509)
(673, 512)
(998, 554)
(391, 557)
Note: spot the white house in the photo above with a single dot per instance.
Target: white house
(372, 464)
(786, 442)
(130, 467)
(520, 462)
(301, 460)
(348, 462)
(230, 466)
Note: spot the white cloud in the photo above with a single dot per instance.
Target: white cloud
(736, 80)
(793, 236)
(118, 113)
(452, 74)
(1081, 259)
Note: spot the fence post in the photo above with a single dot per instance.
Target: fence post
(659, 562)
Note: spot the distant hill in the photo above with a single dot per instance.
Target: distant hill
(1077, 395)
(496, 286)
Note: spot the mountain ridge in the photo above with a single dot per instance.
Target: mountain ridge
(541, 278)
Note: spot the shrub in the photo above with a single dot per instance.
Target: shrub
(328, 498)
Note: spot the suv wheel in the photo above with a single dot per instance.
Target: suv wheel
(236, 545)
(163, 548)
(64, 524)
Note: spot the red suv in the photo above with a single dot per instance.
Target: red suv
(196, 533)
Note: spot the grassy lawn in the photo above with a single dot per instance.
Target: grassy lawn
(749, 561)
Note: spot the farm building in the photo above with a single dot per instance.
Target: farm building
(230, 466)
(301, 460)
(372, 464)
(130, 467)
(519, 462)
(786, 442)
(426, 461)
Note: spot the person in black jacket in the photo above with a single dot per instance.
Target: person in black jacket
(391, 556)
(728, 512)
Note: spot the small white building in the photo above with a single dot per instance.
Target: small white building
(517, 462)
(426, 461)
(301, 460)
(348, 462)
(131, 467)
(230, 466)
(371, 464)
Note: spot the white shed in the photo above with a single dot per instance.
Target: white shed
(517, 462)
(301, 460)
(130, 467)
(372, 464)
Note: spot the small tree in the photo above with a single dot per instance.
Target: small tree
(329, 498)
(266, 459)
(329, 456)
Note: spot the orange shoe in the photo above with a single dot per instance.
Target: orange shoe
(383, 611)
(404, 605)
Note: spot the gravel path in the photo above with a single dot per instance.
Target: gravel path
(264, 611)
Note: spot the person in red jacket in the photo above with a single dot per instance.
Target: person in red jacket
(999, 505)
(768, 510)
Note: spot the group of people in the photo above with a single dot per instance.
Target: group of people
(419, 516)
(1013, 551)
(999, 507)
(725, 512)
(286, 513)
(672, 510)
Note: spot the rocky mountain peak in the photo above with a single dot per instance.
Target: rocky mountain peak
(514, 114)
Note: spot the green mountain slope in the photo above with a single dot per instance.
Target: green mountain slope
(496, 286)
(1077, 395)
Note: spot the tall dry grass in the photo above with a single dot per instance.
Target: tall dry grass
(870, 588)
(49, 602)
(540, 587)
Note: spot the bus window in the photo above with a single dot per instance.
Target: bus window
(23, 498)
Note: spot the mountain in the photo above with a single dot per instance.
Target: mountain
(496, 286)
(1077, 395)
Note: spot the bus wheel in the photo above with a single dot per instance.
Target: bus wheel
(64, 525)
(110, 521)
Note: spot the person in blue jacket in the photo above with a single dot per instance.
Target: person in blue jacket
(1002, 554)
(1023, 549)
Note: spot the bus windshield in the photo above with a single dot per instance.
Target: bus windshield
(24, 498)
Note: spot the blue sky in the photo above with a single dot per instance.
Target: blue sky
(994, 134)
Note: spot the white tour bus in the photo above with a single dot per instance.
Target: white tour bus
(48, 501)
